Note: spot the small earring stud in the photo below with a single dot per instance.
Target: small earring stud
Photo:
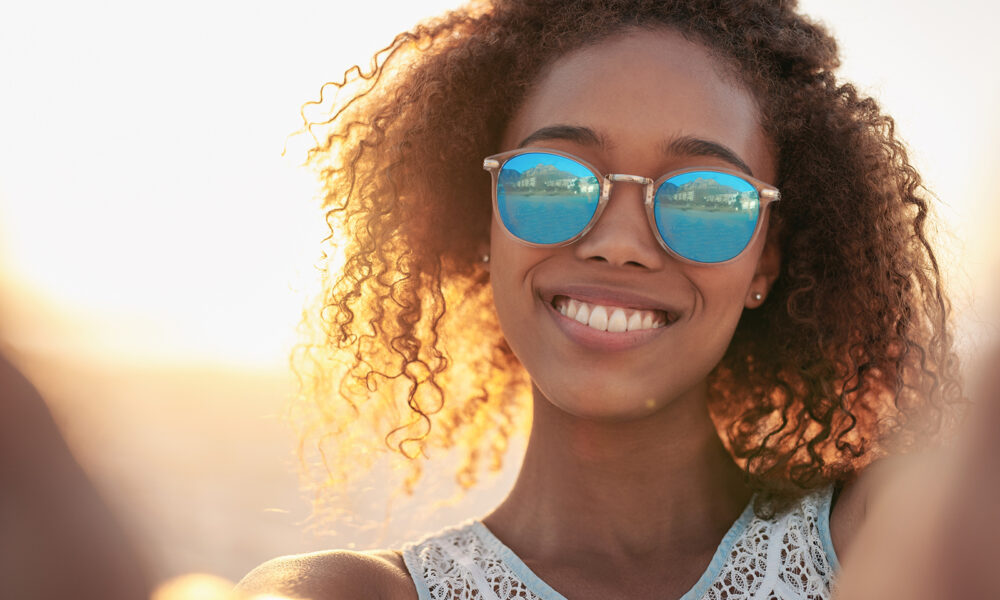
(757, 296)
(485, 258)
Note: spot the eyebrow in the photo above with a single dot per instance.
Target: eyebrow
(685, 145)
(692, 146)
(573, 133)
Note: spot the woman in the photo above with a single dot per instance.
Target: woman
(708, 256)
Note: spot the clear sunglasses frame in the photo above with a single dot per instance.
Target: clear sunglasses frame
(766, 192)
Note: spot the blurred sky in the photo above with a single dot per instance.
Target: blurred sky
(146, 213)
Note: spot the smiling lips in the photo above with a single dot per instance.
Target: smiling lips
(613, 319)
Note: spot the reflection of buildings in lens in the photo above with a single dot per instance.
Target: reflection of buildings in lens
(546, 179)
(709, 194)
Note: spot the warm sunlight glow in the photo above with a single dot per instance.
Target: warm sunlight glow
(195, 586)
(156, 248)
(925, 66)
(202, 586)
(144, 202)
(145, 205)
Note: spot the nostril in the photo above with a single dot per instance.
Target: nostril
(621, 237)
(611, 259)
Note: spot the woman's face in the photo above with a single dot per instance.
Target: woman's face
(640, 103)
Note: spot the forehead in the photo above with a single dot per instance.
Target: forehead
(639, 89)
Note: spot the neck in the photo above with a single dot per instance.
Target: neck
(649, 488)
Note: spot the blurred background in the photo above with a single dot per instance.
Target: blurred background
(156, 248)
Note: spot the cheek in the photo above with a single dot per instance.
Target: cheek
(723, 290)
(501, 260)
(508, 275)
(497, 237)
(725, 294)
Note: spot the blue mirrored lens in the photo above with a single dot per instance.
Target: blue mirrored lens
(546, 198)
(706, 216)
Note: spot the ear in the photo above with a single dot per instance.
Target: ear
(768, 268)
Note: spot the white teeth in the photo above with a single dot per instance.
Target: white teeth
(617, 322)
(571, 308)
(613, 319)
(598, 318)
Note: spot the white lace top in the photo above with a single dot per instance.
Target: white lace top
(788, 557)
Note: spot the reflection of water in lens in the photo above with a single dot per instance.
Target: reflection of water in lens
(705, 236)
(545, 219)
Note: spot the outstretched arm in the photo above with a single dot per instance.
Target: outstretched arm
(59, 539)
(933, 533)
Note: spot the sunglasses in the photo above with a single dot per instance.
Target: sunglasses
(699, 215)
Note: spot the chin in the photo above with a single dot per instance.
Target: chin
(610, 405)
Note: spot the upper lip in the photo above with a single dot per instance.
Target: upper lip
(609, 296)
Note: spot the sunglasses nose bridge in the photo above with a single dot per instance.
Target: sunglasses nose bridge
(618, 233)
(645, 182)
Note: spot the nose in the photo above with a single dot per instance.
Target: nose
(621, 236)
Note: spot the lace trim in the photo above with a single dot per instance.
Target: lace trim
(824, 508)
(541, 589)
(790, 557)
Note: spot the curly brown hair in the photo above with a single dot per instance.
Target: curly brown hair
(852, 347)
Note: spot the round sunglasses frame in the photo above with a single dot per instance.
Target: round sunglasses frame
(766, 192)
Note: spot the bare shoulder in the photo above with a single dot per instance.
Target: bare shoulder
(332, 575)
(856, 497)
